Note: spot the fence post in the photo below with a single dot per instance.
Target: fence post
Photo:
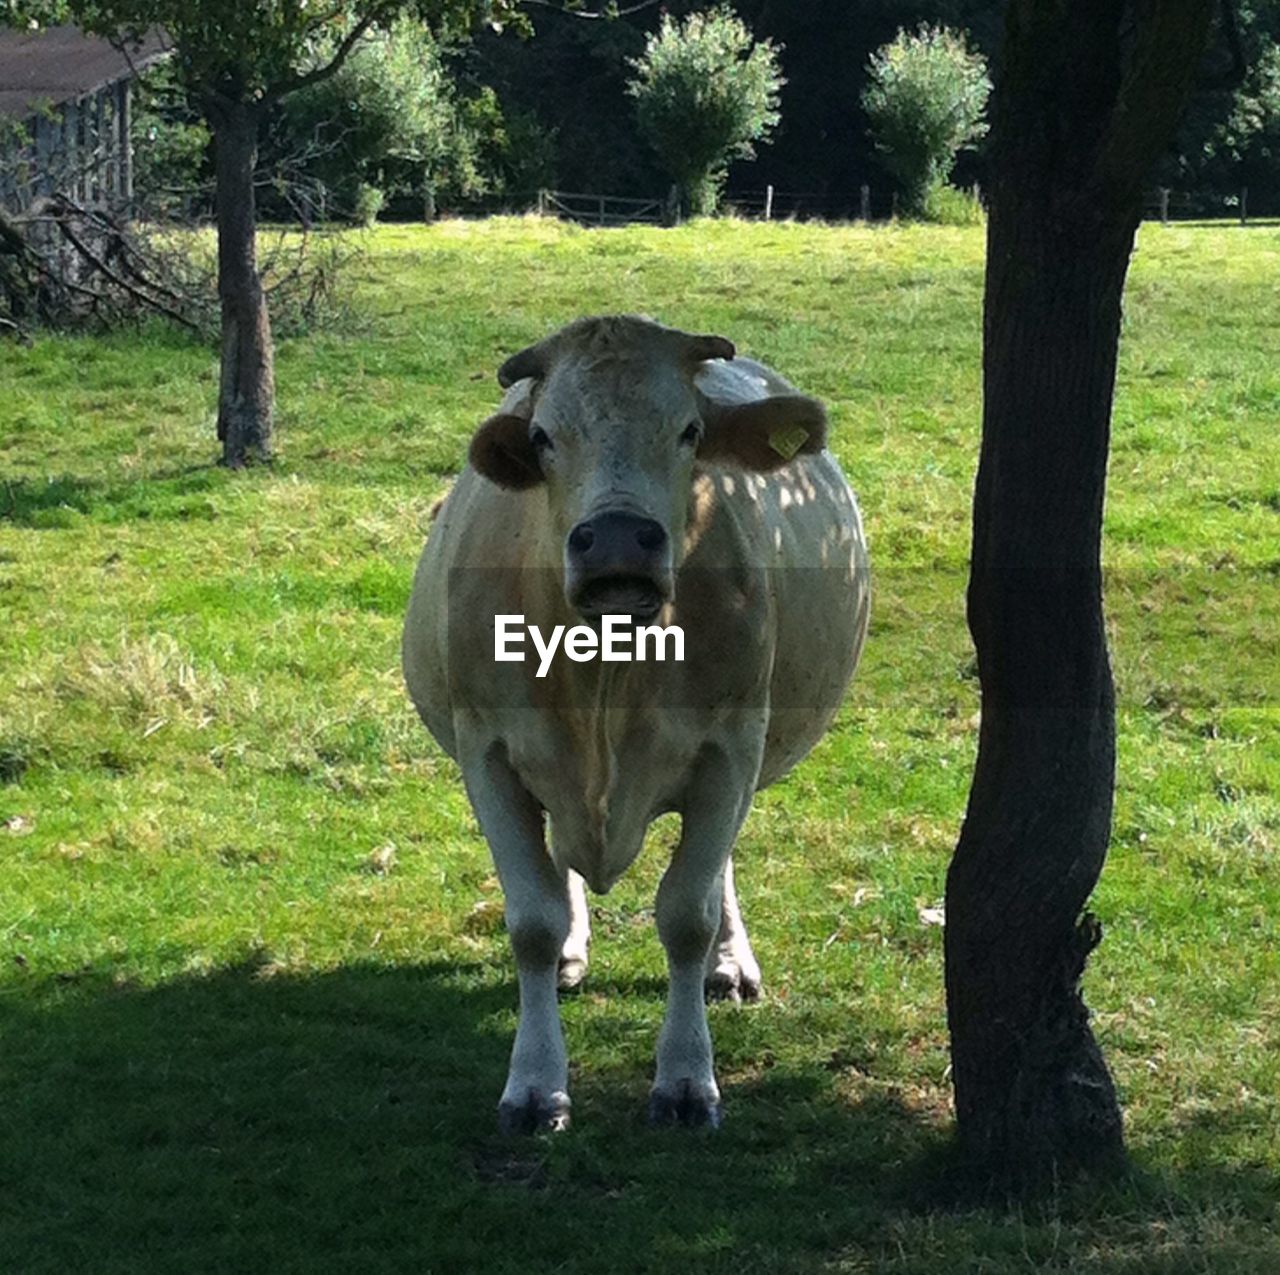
(1164, 205)
(866, 202)
(768, 203)
(672, 210)
(893, 207)
(1244, 205)
(602, 210)
(542, 202)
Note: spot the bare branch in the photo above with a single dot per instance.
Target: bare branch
(100, 265)
(292, 83)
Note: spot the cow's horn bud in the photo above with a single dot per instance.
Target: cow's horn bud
(529, 362)
(710, 347)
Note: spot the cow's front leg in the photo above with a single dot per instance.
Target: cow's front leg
(688, 908)
(733, 973)
(536, 1096)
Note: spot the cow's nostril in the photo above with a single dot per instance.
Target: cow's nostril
(581, 538)
(650, 537)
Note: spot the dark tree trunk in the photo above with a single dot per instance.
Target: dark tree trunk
(1089, 93)
(246, 393)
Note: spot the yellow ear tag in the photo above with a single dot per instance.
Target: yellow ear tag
(786, 440)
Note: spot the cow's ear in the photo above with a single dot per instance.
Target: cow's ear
(765, 434)
(502, 453)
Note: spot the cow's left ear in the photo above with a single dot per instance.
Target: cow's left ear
(764, 434)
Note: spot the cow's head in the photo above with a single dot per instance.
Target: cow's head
(608, 416)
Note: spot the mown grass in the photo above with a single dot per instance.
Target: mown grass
(255, 998)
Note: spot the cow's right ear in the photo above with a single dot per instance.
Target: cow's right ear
(502, 453)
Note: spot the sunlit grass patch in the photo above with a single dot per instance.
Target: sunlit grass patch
(255, 995)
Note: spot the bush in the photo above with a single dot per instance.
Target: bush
(947, 206)
(925, 103)
(705, 92)
(368, 204)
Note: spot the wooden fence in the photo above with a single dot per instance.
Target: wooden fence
(1170, 205)
(603, 210)
(868, 204)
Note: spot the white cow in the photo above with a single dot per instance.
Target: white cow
(639, 471)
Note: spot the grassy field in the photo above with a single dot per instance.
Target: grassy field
(255, 997)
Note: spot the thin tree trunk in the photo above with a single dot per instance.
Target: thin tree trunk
(246, 395)
(1090, 92)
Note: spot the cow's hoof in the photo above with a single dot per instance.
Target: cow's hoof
(730, 982)
(685, 1107)
(535, 1114)
(571, 973)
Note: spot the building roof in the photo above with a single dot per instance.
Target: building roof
(58, 64)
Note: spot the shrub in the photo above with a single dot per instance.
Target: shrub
(925, 100)
(947, 206)
(705, 93)
(368, 204)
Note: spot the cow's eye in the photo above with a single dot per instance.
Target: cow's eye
(692, 434)
(539, 439)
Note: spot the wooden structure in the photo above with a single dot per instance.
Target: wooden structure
(64, 116)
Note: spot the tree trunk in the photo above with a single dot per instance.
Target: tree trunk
(1090, 92)
(246, 393)
(428, 195)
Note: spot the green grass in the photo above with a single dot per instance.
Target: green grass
(232, 1039)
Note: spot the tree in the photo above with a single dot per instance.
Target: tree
(705, 92)
(237, 59)
(389, 118)
(1238, 143)
(1089, 95)
(925, 97)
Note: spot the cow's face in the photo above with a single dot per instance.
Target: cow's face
(610, 431)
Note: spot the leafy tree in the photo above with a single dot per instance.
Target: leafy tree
(925, 100)
(1238, 143)
(389, 118)
(705, 92)
(237, 59)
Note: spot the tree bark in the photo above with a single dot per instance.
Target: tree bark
(246, 392)
(1090, 92)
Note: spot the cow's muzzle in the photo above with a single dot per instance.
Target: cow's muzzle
(618, 563)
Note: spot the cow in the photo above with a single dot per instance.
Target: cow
(634, 471)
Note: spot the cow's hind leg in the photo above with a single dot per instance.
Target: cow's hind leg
(573, 955)
(537, 908)
(733, 973)
(688, 908)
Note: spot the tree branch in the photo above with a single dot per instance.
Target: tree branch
(588, 16)
(1168, 41)
(292, 83)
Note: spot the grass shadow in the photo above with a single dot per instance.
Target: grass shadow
(241, 1120)
(250, 1119)
(169, 495)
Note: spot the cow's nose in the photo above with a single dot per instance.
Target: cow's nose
(616, 543)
